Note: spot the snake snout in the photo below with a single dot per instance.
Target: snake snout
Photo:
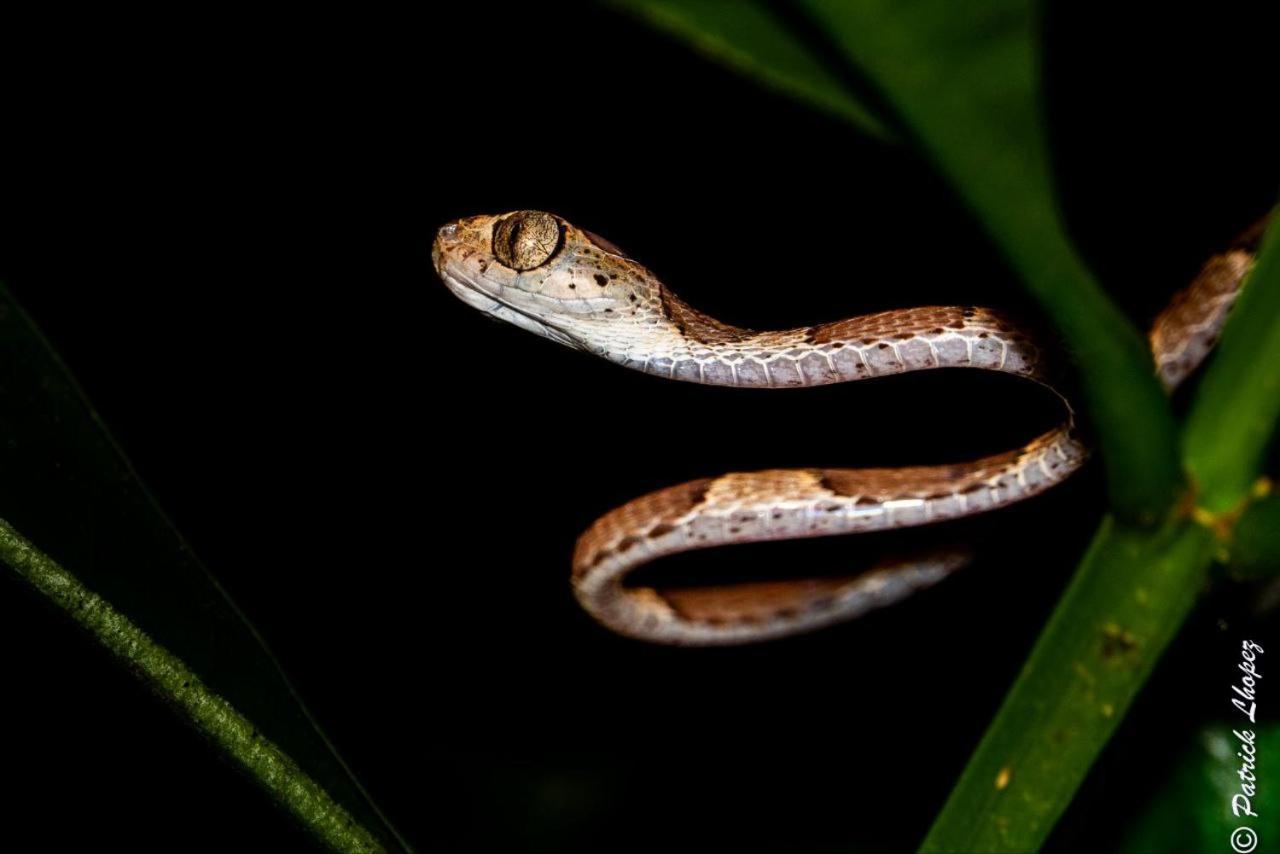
(446, 237)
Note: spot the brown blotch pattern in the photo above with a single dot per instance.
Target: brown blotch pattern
(1117, 642)
(624, 527)
(697, 326)
(900, 324)
(874, 485)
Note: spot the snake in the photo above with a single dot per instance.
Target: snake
(539, 272)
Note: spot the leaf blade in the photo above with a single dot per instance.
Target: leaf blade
(748, 37)
(1193, 811)
(965, 80)
(962, 84)
(64, 481)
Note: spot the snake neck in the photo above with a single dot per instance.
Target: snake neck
(704, 332)
(689, 345)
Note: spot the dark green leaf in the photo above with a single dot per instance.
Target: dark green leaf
(1193, 810)
(964, 78)
(747, 35)
(68, 487)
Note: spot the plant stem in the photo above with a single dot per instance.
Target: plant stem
(964, 80)
(174, 681)
(1255, 540)
(1127, 600)
(1130, 596)
(1237, 406)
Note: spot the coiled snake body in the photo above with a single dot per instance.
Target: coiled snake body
(541, 273)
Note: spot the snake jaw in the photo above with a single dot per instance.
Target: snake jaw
(494, 307)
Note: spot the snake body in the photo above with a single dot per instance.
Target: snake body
(543, 274)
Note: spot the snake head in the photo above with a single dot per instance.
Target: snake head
(537, 271)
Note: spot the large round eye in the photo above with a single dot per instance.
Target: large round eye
(526, 239)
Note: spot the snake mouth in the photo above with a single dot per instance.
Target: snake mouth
(494, 306)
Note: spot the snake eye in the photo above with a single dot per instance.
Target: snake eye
(526, 239)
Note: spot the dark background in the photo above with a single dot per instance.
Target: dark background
(222, 219)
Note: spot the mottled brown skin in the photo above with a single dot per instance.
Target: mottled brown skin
(539, 272)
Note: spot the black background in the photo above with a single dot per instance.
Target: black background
(222, 219)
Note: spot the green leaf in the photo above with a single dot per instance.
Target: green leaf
(747, 35)
(69, 488)
(1126, 602)
(1234, 414)
(211, 714)
(964, 78)
(963, 82)
(1193, 810)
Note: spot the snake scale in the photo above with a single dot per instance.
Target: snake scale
(540, 273)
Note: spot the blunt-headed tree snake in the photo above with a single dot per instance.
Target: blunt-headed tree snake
(540, 273)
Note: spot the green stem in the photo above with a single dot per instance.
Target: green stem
(1255, 540)
(1127, 600)
(207, 711)
(1129, 597)
(1237, 406)
(964, 80)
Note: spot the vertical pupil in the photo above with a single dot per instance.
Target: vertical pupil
(517, 231)
(525, 239)
(514, 233)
